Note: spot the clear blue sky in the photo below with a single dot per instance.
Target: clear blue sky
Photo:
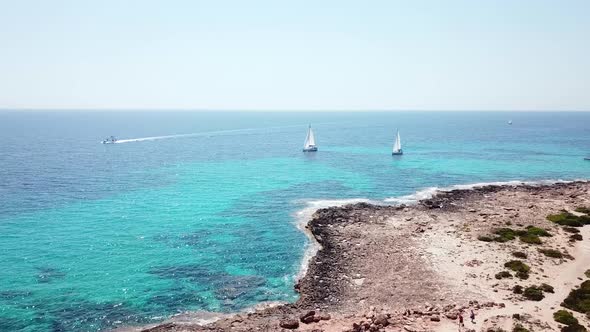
(271, 55)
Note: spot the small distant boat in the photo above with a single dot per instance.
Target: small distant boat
(109, 140)
(510, 122)
(309, 145)
(587, 158)
(397, 146)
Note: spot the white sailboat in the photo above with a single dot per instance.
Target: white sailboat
(309, 145)
(397, 146)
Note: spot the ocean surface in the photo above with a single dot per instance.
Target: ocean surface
(199, 211)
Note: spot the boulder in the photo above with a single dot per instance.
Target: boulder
(289, 323)
(381, 319)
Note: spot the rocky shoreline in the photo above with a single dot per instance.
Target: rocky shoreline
(415, 268)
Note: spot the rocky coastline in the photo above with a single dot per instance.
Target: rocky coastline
(417, 268)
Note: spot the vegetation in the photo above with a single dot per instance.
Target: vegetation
(519, 254)
(551, 253)
(531, 239)
(521, 269)
(485, 238)
(504, 235)
(503, 275)
(573, 328)
(532, 230)
(517, 289)
(519, 328)
(576, 237)
(547, 288)
(533, 293)
(579, 299)
(567, 219)
(587, 273)
(517, 266)
(564, 317)
(583, 209)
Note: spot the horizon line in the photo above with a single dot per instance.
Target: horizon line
(69, 109)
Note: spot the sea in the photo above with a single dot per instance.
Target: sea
(202, 211)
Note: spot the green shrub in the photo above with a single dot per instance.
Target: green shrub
(495, 329)
(503, 274)
(566, 219)
(504, 235)
(519, 254)
(532, 230)
(547, 288)
(587, 273)
(531, 239)
(584, 219)
(573, 328)
(519, 328)
(571, 229)
(518, 266)
(485, 238)
(564, 317)
(517, 289)
(551, 253)
(576, 237)
(579, 299)
(533, 293)
(582, 209)
(522, 275)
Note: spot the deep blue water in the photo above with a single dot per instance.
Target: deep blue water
(95, 236)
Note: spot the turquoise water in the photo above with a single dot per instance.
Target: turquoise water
(96, 236)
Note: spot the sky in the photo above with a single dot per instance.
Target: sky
(295, 55)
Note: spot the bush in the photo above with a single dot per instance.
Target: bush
(582, 209)
(531, 239)
(551, 253)
(517, 289)
(485, 238)
(571, 229)
(533, 293)
(518, 266)
(579, 299)
(547, 288)
(503, 274)
(504, 235)
(564, 317)
(519, 328)
(576, 237)
(532, 230)
(587, 273)
(566, 219)
(519, 254)
(522, 275)
(573, 328)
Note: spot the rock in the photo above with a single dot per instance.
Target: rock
(289, 323)
(308, 319)
(325, 316)
(435, 318)
(451, 315)
(381, 319)
(307, 314)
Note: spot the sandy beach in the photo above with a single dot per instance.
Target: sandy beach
(417, 268)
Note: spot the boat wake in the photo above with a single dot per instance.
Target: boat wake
(204, 134)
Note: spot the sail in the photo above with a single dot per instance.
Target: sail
(397, 146)
(309, 139)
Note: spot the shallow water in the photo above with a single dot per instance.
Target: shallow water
(94, 236)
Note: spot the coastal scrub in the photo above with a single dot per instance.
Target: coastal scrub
(564, 317)
(579, 299)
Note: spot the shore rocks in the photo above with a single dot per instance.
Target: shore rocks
(289, 323)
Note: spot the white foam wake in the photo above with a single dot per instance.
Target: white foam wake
(429, 192)
(203, 134)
